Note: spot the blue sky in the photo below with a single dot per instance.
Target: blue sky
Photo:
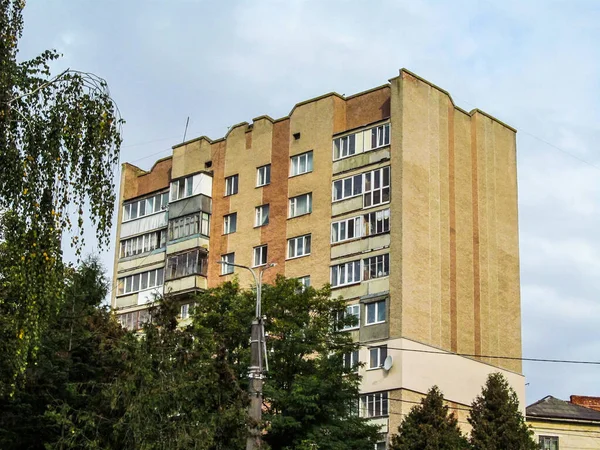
(535, 65)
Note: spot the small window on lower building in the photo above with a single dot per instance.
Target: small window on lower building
(374, 405)
(549, 442)
(377, 356)
(305, 282)
(260, 256)
(380, 446)
(375, 312)
(351, 360)
(227, 268)
(184, 312)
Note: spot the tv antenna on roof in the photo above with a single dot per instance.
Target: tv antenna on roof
(187, 122)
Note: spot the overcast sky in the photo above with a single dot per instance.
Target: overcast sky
(533, 64)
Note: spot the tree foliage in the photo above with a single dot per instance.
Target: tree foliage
(429, 426)
(496, 420)
(59, 143)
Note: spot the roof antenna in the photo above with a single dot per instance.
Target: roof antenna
(187, 122)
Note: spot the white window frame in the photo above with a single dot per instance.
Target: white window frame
(377, 356)
(134, 283)
(381, 133)
(261, 215)
(304, 281)
(263, 175)
(371, 192)
(293, 205)
(376, 222)
(544, 437)
(141, 244)
(227, 269)
(352, 310)
(232, 185)
(381, 265)
(182, 188)
(230, 226)
(351, 360)
(341, 229)
(134, 320)
(375, 404)
(297, 161)
(151, 205)
(349, 271)
(184, 311)
(344, 147)
(186, 264)
(378, 306)
(182, 227)
(260, 255)
(299, 246)
(355, 182)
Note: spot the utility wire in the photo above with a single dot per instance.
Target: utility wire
(472, 355)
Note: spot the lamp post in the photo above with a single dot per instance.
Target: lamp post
(257, 346)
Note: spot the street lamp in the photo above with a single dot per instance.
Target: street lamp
(257, 346)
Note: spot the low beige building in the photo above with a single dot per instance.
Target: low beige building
(562, 425)
(402, 201)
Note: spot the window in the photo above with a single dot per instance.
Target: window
(375, 312)
(346, 229)
(134, 320)
(142, 244)
(184, 264)
(380, 136)
(189, 225)
(351, 360)
(299, 246)
(261, 215)
(377, 187)
(305, 282)
(354, 311)
(377, 357)
(140, 281)
(260, 256)
(145, 207)
(263, 175)
(344, 146)
(380, 446)
(230, 223)
(548, 442)
(229, 258)
(184, 312)
(374, 405)
(231, 185)
(182, 188)
(347, 187)
(301, 164)
(346, 273)
(300, 205)
(376, 267)
(377, 222)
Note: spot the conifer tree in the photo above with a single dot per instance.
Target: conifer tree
(429, 426)
(496, 420)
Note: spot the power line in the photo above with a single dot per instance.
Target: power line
(472, 355)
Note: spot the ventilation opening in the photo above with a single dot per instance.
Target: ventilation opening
(296, 136)
(208, 164)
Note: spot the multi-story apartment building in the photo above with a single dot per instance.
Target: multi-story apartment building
(404, 202)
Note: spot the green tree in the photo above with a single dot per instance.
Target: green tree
(310, 397)
(178, 390)
(496, 420)
(79, 355)
(428, 426)
(59, 144)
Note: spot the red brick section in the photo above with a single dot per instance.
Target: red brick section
(588, 402)
(158, 178)
(275, 194)
(367, 108)
(220, 207)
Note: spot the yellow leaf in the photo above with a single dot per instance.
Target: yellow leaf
(21, 333)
